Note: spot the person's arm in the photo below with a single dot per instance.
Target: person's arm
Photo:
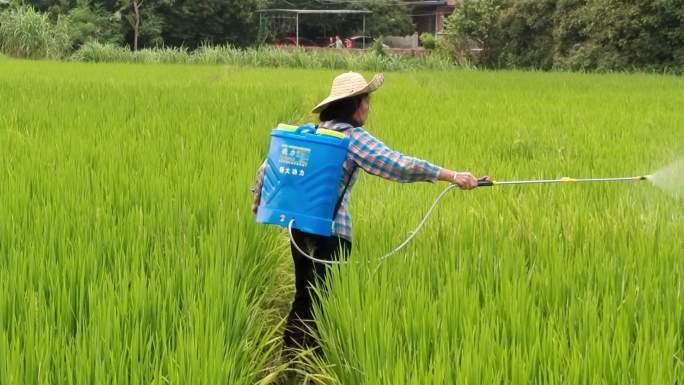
(376, 158)
(256, 190)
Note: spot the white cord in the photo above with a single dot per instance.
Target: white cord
(311, 257)
(401, 246)
(421, 224)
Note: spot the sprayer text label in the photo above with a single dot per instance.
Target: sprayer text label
(294, 155)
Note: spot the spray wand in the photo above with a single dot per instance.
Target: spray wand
(480, 183)
(489, 183)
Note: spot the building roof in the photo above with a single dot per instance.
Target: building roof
(316, 11)
(426, 2)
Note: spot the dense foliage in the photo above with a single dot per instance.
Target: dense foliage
(572, 34)
(191, 23)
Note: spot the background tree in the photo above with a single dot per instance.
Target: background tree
(474, 25)
(630, 34)
(525, 34)
(53, 7)
(92, 22)
(389, 18)
(131, 9)
(573, 34)
(191, 23)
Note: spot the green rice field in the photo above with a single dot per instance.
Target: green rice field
(129, 255)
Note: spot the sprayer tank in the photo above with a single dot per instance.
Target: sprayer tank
(302, 178)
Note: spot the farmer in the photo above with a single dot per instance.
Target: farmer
(346, 110)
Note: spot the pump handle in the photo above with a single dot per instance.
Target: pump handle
(484, 183)
(306, 128)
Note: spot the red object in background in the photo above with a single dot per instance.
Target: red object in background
(348, 43)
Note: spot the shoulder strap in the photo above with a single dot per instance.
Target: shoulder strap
(346, 185)
(344, 191)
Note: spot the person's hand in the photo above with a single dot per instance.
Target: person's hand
(464, 180)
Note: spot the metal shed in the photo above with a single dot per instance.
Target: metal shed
(298, 12)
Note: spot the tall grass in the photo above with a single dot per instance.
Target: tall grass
(26, 33)
(261, 57)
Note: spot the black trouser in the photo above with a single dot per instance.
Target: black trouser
(308, 273)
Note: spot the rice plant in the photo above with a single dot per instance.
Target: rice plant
(128, 253)
(571, 284)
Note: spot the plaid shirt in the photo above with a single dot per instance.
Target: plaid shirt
(374, 157)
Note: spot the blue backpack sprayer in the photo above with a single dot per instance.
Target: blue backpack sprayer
(301, 183)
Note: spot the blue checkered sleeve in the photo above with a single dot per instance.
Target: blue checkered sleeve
(376, 158)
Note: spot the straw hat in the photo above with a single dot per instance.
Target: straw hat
(347, 85)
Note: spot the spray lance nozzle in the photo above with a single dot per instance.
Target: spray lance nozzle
(488, 183)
